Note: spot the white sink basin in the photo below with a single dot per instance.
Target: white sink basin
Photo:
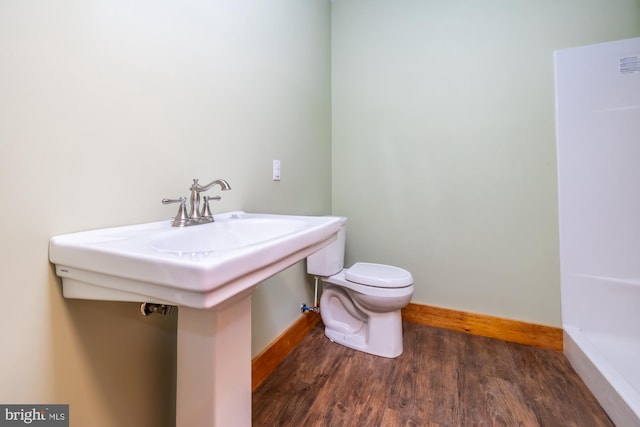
(225, 235)
(200, 266)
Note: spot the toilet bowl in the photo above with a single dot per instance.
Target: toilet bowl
(360, 306)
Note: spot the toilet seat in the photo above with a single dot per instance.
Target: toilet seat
(397, 291)
(378, 275)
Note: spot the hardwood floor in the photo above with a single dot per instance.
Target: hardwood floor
(443, 378)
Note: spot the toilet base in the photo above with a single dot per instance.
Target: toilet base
(385, 341)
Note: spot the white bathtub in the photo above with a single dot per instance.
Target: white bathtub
(601, 322)
(597, 128)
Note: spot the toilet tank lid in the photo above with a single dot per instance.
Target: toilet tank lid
(379, 275)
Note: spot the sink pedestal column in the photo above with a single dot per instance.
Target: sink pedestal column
(214, 366)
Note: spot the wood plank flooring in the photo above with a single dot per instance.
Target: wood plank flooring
(443, 378)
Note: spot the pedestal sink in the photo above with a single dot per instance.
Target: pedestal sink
(209, 271)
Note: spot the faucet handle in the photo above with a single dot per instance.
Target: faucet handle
(181, 200)
(206, 212)
(181, 218)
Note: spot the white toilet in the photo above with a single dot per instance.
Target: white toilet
(360, 306)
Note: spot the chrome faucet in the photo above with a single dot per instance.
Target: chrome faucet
(197, 215)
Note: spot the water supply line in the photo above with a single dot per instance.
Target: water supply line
(316, 308)
(147, 309)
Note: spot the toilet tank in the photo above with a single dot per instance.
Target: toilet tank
(330, 259)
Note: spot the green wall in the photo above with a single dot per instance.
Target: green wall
(108, 106)
(444, 142)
